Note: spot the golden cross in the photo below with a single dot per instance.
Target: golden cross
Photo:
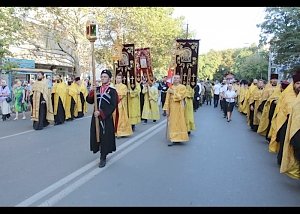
(131, 78)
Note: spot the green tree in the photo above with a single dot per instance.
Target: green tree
(244, 63)
(152, 27)
(9, 25)
(209, 63)
(57, 35)
(281, 29)
(254, 66)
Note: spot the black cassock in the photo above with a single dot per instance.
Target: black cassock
(163, 87)
(43, 122)
(271, 113)
(295, 142)
(108, 103)
(196, 97)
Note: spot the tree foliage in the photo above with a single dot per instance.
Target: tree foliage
(9, 25)
(281, 29)
(245, 63)
(152, 27)
(57, 34)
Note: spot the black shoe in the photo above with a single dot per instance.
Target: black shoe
(170, 144)
(189, 132)
(133, 127)
(102, 163)
(164, 114)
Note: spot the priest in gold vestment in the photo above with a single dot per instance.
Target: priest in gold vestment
(71, 100)
(281, 115)
(290, 164)
(189, 111)
(134, 108)
(59, 95)
(40, 98)
(175, 108)
(123, 123)
(150, 109)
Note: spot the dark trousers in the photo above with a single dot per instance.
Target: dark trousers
(280, 139)
(216, 100)
(224, 107)
(208, 98)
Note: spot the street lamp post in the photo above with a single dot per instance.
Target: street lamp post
(91, 35)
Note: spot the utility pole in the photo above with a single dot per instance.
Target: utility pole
(270, 65)
(187, 30)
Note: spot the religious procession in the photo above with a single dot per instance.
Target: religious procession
(271, 109)
(145, 119)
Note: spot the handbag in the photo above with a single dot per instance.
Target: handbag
(8, 99)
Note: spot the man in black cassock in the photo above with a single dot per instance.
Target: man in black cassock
(196, 99)
(40, 99)
(107, 101)
(58, 96)
(163, 87)
(284, 84)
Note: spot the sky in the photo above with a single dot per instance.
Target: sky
(222, 28)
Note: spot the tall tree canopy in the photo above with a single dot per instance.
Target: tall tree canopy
(58, 33)
(152, 27)
(246, 63)
(9, 25)
(281, 29)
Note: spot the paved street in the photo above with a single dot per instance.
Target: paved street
(223, 164)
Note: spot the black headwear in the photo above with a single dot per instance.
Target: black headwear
(296, 77)
(284, 84)
(108, 72)
(77, 79)
(274, 76)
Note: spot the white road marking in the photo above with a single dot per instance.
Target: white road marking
(67, 190)
(119, 153)
(32, 130)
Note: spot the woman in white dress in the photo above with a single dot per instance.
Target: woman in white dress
(5, 107)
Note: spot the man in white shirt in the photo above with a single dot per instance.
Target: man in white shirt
(230, 96)
(216, 89)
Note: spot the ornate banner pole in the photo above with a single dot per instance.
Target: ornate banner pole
(91, 35)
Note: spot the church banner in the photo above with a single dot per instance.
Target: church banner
(143, 64)
(187, 61)
(126, 65)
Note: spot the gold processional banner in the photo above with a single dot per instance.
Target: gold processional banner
(187, 61)
(126, 65)
(143, 65)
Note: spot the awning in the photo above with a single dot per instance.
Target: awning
(32, 70)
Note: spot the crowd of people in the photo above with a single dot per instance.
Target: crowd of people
(272, 109)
